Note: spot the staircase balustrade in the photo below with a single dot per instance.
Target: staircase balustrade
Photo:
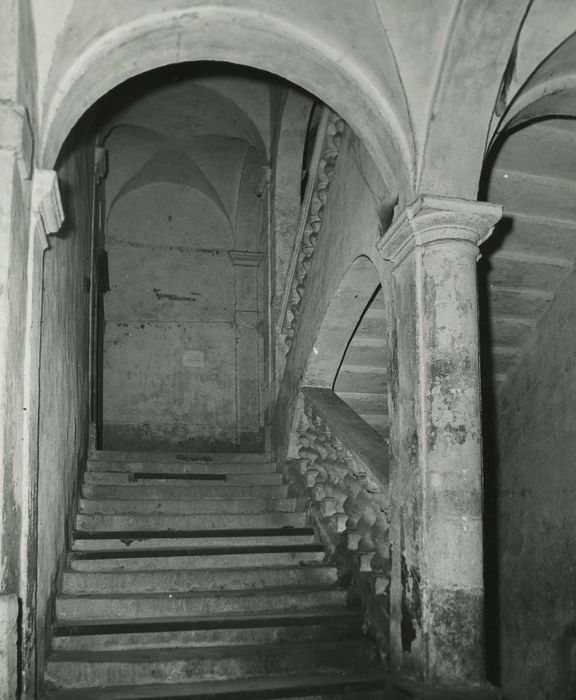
(342, 472)
(325, 153)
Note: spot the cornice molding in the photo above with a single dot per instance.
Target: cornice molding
(431, 219)
(47, 214)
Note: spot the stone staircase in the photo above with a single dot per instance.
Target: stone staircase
(197, 577)
(361, 381)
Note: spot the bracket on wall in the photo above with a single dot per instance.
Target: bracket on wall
(47, 214)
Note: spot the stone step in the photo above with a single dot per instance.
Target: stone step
(180, 457)
(332, 625)
(181, 580)
(147, 605)
(179, 479)
(176, 467)
(364, 686)
(195, 558)
(181, 467)
(80, 669)
(361, 380)
(179, 491)
(207, 521)
(193, 576)
(365, 403)
(116, 506)
(98, 541)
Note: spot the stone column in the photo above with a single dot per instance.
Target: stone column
(248, 348)
(8, 645)
(436, 470)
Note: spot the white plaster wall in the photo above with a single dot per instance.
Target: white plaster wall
(169, 353)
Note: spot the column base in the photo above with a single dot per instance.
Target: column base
(455, 629)
(8, 645)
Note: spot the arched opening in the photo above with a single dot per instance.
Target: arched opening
(349, 353)
(246, 37)
(175, 252)
(182, 260)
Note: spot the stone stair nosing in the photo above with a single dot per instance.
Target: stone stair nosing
(360, 687)
(179, 665)
(205, 521)
(133, 506)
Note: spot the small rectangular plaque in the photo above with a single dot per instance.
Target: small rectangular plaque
(193, 358)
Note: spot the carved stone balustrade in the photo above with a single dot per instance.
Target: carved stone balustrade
(328, 140)
(342, 471)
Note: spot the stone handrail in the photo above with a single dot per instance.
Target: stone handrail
(325, 152)
(342, 472)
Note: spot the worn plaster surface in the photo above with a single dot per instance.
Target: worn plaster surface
(63, 376)
(536, 433)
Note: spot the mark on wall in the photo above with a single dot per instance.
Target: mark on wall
(176, 297)
(193, 358)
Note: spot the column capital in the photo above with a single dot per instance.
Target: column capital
(429, 219)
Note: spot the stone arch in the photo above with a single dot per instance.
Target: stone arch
(242, 36)
(340, 321)
(550, 91)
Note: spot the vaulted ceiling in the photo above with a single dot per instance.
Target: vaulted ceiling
(192, 127)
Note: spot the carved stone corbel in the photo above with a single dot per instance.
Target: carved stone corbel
(47, 214)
